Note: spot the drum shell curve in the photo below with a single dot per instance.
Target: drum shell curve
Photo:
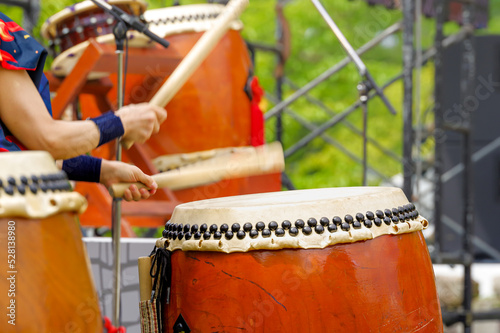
(381, 285)
(54, 288)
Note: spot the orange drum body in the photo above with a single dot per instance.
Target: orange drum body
(368, 286)
(45, 277)
(212, 110)
(329, 260)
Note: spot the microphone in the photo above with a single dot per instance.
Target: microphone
(131, 21)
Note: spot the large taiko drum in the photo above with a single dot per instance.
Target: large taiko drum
(212, 109)
(45, 278)
(324, 260)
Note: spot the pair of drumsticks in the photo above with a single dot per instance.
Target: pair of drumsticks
(266, 159)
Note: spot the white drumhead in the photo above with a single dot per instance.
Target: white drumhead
(31, 186)
(189, 18)
(16, 164)
(64, 63)
(163, 22)
(358, 207)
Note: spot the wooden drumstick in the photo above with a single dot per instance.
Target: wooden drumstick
(195, 57)
(249, 162)
(145, 283)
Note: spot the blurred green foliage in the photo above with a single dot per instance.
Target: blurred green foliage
(314, 49)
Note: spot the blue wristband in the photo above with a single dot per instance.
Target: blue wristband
(83, 168)
(110, 127)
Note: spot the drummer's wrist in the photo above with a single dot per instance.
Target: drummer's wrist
(83, 168)
(110, 127)
(107, 172)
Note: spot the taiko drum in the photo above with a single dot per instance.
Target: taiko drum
(45, 273)
(212, 109)
(84, 20)
(216, 107)
(325, 260)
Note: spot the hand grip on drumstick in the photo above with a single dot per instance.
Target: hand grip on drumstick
(195, 57)
(249, 162)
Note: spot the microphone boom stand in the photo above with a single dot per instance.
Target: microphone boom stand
(363, 87)
(120, 33)
(124, 22)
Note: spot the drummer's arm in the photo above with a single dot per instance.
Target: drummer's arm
(23, 112)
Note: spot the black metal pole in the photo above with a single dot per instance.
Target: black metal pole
(408, 63)
(31, 15)
(363, 98)
(279, 118)
(280, 67)
(282, 36)
(441, 12)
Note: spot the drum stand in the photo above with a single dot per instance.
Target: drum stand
(124, 22)
(364, 87)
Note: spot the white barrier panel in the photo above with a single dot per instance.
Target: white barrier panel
(101, 259)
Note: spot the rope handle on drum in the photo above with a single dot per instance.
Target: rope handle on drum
(162, 276)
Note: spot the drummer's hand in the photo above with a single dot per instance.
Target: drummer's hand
(119, 172)
(140, 121)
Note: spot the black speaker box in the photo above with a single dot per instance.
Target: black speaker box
(484, 105)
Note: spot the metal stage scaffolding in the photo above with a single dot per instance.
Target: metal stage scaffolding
(31, 10)
(413, 133)
(414, 57)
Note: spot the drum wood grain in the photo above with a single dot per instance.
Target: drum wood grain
(54, 288)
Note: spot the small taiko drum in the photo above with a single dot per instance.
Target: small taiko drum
(82, 21)
(45, 282)
(323, 260)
